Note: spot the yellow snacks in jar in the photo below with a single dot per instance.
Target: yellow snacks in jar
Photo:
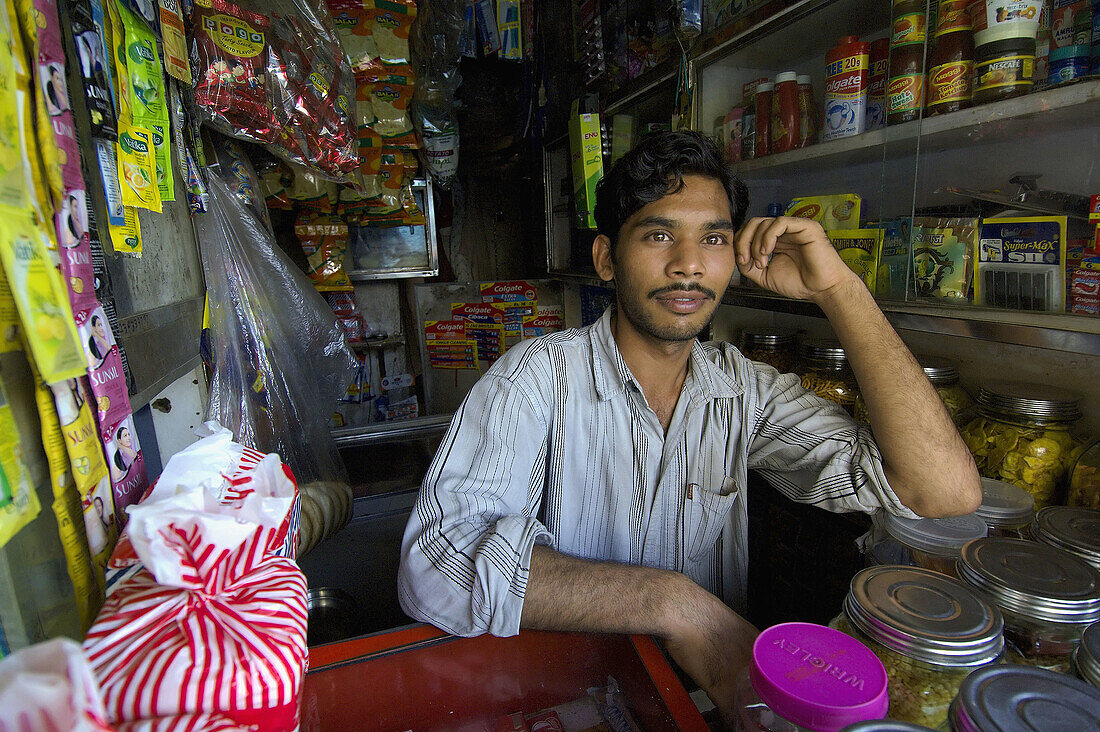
(1046, 596)
(1022, 435)
(771, 346)
(1084, 479)
(929, 630)
(824, 369)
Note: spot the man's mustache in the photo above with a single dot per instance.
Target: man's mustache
(683, 287)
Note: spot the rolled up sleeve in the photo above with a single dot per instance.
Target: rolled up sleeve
(812, 451)
(466, 553)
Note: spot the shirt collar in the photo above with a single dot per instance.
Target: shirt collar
(704, 380)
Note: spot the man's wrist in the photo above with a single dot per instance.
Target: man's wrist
(849, 291)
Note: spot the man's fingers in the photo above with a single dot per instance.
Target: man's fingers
(743, 241)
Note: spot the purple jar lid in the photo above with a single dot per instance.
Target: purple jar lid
(817, 677)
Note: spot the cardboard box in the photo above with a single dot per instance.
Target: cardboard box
(1022, 263)
(586, 149)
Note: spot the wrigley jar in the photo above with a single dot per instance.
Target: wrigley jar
(1070, 528)
(809, 677)
(1013, 697)
(928, 629)
(1006, 509)
(1046, 596)
(1023, 434)
(824, 369)
(771, 346)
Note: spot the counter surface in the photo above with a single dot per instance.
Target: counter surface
(420, 678)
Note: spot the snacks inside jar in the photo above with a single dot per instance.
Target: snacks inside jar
(824, 369)
(935, 543)
(771, 346)
(1084, 479)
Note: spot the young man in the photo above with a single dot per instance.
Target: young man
(594, 479)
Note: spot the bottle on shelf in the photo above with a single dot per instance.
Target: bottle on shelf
(951, 65)
(807, 112)
(905, 89)
(876, 87)
(748, 119)
(785, 125)
(847, 73)
(763, 144)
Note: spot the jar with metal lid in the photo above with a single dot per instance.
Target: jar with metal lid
(928, 629)
(885, 725)
(1084, 477)
(809, 677)
(1086, 659)
(932, 543)
(1023, 435)
(945, 379)
(771, 346)
(1006, 509)
(824, 369)
(1071, 528)
(1021, 698)
(1046, 596)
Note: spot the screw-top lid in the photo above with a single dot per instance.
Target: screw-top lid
(1032, 579)
(925, 615)
(845, 40)
(1035, 401)
(785, 77)
(885, 725)
(1004, 504)
(939, 371)
(822, 348)
(944, 536)
(805, 79)
(817, 677)
(1072, 528)
(1016, 697)
(1087, 655)
(767, 337)
(764, 86)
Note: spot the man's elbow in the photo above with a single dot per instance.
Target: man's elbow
(954, 494)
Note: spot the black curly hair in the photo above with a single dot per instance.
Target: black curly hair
(655, 168)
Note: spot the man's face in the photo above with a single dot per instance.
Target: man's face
(673, 261)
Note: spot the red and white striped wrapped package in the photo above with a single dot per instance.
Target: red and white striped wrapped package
(208, 618)
(49, 686)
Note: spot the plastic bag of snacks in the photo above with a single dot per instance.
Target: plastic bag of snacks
(50, 686)
(275, 73)
(206, 612)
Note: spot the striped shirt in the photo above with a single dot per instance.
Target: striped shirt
(556, 444)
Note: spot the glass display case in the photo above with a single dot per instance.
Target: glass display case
(390, 251)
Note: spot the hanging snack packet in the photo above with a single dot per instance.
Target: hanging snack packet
(137, 167)
(370, 163)
(353, 23)
(943, 257)
(40, 297)
(13, 183)
(162, 159)
(174, 41)
(840, 211)
(228, 60)
(390, 24)
(94, 70)
(144, 76)
(78, 426)
(324, 239)
(126, 464)
(126, 238)
(19, 503)
(860, 249)
(390, 103)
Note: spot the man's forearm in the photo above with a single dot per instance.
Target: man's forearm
(926, 462)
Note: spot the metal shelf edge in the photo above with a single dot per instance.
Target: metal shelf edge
(386, 431)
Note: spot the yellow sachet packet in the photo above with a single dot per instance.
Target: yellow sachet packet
(137, 169)
(840, 211)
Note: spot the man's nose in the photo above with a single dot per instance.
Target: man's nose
(686, 260)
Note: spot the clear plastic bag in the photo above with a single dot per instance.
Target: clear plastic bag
(279, 359)
(438, 126)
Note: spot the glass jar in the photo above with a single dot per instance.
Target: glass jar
(928, 630)
(1047, 597)
(1084, 478)
(885, 725)
(1086, 659)
(824, 369)
(770, 346)
(1022, 435)
(1073, 529)
(945, 379)
(1018, 697)
(1006, 509)
(930, 543)
(809, 677)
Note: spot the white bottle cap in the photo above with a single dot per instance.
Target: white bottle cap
(786, 76)
(764, 86)
(805, 79)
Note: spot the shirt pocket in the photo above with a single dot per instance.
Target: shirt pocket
(706, 512)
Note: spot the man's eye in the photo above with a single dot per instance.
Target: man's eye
(716, 240)
(659, 236)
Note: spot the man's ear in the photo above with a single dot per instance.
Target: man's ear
(602, 259)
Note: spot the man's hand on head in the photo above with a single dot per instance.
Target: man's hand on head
(792, 257)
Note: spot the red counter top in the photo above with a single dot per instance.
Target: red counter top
(420, 678)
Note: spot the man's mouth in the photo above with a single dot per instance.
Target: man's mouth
(683, 301)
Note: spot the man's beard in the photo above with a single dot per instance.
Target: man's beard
(676, 332)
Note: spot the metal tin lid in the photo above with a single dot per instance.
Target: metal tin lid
(925, 615)
(1016, 697)
(1075, 529)
(1035, 401)
(944, 536)
(822, 348)
(1087, 655)
(767, 337)
(1004, 504)
(939, 371)
(885, 725)
(1032, 579)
